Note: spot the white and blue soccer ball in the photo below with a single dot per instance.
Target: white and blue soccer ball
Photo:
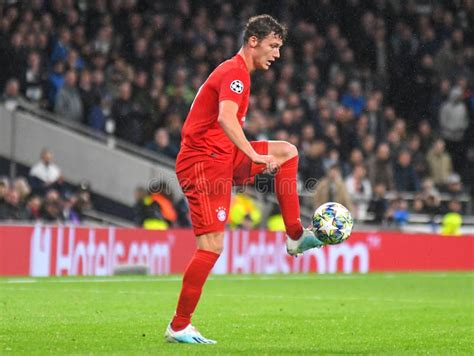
(332, 223)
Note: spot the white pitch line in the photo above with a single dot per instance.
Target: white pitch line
(179, 279)
(20, 281)
(259, 296)
(319, 277)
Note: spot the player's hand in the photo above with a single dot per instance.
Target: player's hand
(269, 161)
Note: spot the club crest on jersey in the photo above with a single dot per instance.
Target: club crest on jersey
(221, 215)
(237, 86)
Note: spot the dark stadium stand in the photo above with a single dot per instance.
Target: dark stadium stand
(103, 210)
(395, 74)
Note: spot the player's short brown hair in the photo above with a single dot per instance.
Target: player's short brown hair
(261, 26)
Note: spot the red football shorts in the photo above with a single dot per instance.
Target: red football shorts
(207, 184)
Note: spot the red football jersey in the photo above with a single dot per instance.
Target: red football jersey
(202, 134)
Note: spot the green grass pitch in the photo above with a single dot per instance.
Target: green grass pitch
(418, 313)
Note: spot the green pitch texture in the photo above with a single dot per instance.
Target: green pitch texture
(420, 313)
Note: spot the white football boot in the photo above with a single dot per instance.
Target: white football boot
(189, 335)
(306, 242)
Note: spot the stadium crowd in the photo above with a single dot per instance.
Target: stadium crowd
(43, 195)
(377, 101)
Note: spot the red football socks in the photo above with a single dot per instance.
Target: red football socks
(287, 194)
(193, 280)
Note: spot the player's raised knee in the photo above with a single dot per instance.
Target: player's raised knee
(282, 150)
(289, 150)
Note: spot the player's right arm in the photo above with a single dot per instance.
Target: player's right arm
(228, 120)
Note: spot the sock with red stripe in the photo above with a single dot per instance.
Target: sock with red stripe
(193, 281)
(287, 195)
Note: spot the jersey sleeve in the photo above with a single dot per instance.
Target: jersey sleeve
(233, 85)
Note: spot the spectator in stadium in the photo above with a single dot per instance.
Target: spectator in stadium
(312, 162)
(33, 208)
(424, 86)
(452, 48)
(99, 117)
(420, 163)
(332, 188)
(395, 141)
(354, 99)
(452, 221)
(74, 61)
(356, 158)
(86, 92)
(128, 121)
(275, 219)
(20, 184)
(55, 82)
(103, 42)
(98, 84)
(162, 144)
(379, 204)
(398, 212)
(376, 123)
(15, 210)
(77, 204)
(158, 210)
(143, 100)
(454, 121)
(33, 80)
(454, 186)
(139, 206)
(182, 210)
(360, 191)
(173, 123)
(45, 173)
(68, 212)
(368, 146)
(116, 74)
(405, 177)
(380, 168)
(439, 97)
(330, 159)
(439, 162)
(12, 96)
(308, 135)
(428, 188)
(52, 209)
(62, 46)
(140, 57)
(13, 54)
(427, 136)
(433, 208)
(68, 102)
(244, 211)
(418, 205)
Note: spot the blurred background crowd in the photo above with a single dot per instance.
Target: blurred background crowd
(377, 95)
(43, 195)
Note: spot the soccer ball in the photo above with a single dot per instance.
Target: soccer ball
(332, 223)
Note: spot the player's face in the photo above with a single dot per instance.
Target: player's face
(267, 51)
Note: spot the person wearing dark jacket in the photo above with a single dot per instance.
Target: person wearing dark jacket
(406, 179)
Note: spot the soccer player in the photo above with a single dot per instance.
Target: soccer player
(215, 155)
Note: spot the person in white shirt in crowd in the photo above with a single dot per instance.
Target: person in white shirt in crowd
(360, 190)
(45, 173)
